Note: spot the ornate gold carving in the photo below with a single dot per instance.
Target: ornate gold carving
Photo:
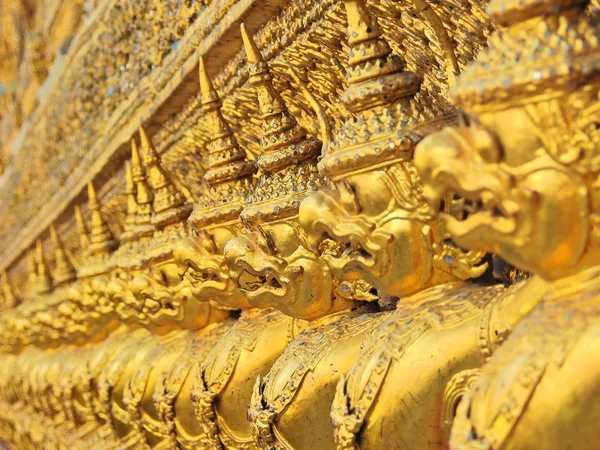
(456, 388)
(9, 299)
(144, 197)
(101, 239)
(374, 148)
(265, 281)
(65, 272)
(258, 335)
(216, 214)
(394, 241)
(305, 368)
(393, 347)
(106, 63)
(228, 167)
(84, 238)
(273, 265)
(43, 279)
(532, 146)
(168, 205)
(154, 298)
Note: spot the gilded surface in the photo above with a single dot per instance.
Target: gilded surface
(285, 224)
(535, 192)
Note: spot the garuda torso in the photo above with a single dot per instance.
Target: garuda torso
(225, 379)
(98, 384)
(138, 389)
(290, 406)
(113, 379)
(448, 332)
(88, 411)
(220, 382)
(63, 389)
(545, 373)
(172, 392)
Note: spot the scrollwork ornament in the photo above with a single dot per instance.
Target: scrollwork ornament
(463, 265)
(346, 425)
(132, 396)
(569, 127)
(262, 418)
(456, 388)
(203, 399)
(164, 399)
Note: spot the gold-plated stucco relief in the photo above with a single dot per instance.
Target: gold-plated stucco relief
(274, 265)
(329, 282)
(529, 161)
(377, 226)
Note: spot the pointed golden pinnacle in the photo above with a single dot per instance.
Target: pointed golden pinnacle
(252, 52)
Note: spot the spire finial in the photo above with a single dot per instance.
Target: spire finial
(280, 131)
(53, 234)
(206, 87)
(135, 157)
(130, 188)
(101, 239)
(147, 146)
(286, 149)
(375, 75)
(169, 203)
(93, 202)
(269, 100)
(44, 279)
(227, 162)
(10, 299)
(223, 148)
(144, 196)
(84, 239)
(131, 218)
(64, 269)
(31, 268)
(252, 52)
(361, 25)
(379, 96)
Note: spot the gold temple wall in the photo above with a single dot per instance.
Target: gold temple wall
(299, 224)
(93, 144)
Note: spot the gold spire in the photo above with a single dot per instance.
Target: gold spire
(10, 299)
(375, 76)
(229, 169)
(43, 279)
(31, 268)
(144, 196)
(253, 54)
(101, 239)
(209, 95)
(287, 165)
(283, 141)
(84, 238)
(138, 227)
(130, 221)
(226, 160)
(169, 204)
(379, 95)
(131, 193)
(64, 272)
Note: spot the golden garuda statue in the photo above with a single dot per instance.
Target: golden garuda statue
(365, 225)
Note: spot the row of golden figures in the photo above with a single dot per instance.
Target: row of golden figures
(338, 294)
